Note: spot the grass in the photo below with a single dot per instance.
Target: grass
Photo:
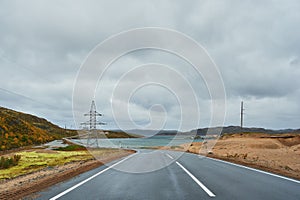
(72, 148)
(149, 147)
(33, 161)
(177, 147)
(100, 153)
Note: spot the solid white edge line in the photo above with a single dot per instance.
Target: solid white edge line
(256, 170)
(197, 181)
(88, 179)
(169, 156)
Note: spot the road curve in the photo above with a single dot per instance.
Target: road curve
(176, 176)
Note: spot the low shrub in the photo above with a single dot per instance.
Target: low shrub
(71, 148)
(7, 162)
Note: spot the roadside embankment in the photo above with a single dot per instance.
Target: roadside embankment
(278, 154)
(41, 168)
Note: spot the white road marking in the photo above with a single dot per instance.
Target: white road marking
(197, 181)
(169, 156)
(88, 179)
(256, 170)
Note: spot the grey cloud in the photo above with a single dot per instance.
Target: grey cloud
(255, 45)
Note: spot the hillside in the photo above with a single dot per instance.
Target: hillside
(104, 134)
(19, 129)
(120, 134)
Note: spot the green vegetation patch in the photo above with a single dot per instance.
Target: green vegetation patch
(34, 161)
(72, 148)
(176, 147)
(7, 162)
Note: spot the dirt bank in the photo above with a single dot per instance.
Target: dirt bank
(279, 154)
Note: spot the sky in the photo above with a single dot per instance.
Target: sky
(254, 44)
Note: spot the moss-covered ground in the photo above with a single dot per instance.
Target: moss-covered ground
(36, 160)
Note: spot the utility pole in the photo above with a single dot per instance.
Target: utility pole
(92, 124)
(242, 114)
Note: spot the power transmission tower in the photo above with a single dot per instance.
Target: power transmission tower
(242, 114)
(92, 125)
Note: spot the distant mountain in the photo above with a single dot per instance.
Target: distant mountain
(18, 129)
(148, 133)
(237, 129)
(227, 130)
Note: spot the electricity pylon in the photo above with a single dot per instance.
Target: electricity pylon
(242, 115)
(92, 140)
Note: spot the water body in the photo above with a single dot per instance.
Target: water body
(138, 142)
(55, 144)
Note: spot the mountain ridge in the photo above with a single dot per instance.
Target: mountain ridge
(214, 130)
(238, 129)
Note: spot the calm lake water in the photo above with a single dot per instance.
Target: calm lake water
(138, 142)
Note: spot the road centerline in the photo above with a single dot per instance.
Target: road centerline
(169, 156)
(197, 181)
(88, 179)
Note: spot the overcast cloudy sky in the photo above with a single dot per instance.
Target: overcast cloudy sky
(255, 44)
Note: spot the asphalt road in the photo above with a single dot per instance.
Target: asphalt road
(170, 175)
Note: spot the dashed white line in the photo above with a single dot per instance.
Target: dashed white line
(169, 156)
(197, 181)
(88, 179)
(194, 178)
